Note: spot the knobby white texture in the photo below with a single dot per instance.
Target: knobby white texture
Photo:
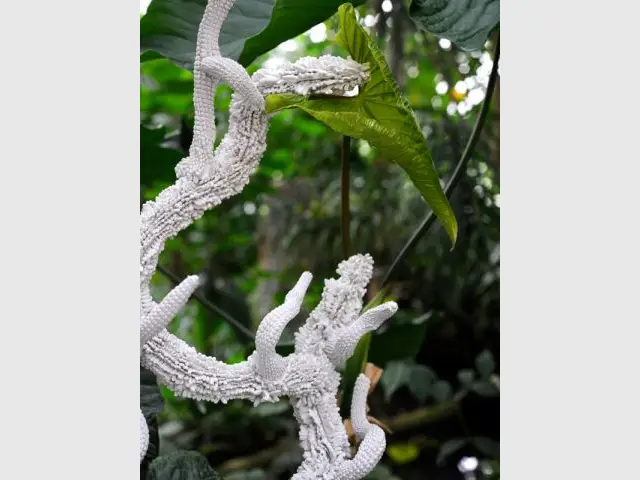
(308, 377)
(326, 75)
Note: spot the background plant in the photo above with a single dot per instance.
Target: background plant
(440, 354)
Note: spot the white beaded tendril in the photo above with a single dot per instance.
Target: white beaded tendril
(308, 377)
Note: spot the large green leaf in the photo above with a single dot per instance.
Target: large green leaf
(290, 18)
(170, 28)
(399, 340)
(467, 23)
(379, 114)
(151, 404)
(181, 466)
(253, 27)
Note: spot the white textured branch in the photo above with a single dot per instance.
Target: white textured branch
(269, 364)
(373, 442)
(326, 75)
(340, 305)
(207, 45)
(190, 374)
(359, 420)
(349, 336)
(162, 313)
(307, 377)
(204, 179)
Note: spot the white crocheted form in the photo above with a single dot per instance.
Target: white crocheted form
(308, 377)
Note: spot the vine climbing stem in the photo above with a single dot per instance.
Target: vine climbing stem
(459, 170)
(362, 350)
(345, 181)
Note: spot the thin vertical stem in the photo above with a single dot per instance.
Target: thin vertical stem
(460, 167)
(344, 195)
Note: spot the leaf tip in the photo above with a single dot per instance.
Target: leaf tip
(452, 231)
(454, 238)
(345, 8)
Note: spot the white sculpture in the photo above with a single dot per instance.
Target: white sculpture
(308, 377)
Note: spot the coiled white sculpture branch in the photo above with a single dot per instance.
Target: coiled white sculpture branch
(308, 377)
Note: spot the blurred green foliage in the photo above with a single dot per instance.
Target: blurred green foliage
(439, 393)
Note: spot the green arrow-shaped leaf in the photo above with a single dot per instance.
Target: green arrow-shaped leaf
(380, 115)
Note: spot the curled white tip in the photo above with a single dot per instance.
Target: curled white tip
(372, 319)
(298, 292)
(359, 420)
(270, 365)
(369, 321)
(167, 309)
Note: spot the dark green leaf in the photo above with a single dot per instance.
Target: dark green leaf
(379, 114)
(396, 342)
(290, 18)
(157, 163)
(151, 403)
(421, 380)
(181, 466)
(448, 448)
(485, 364)
(487, 446)
(465, 377)
(252, 28)
(441, 391)
(396, 374)
(170, 28)
(484, 388)
(467, 23)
